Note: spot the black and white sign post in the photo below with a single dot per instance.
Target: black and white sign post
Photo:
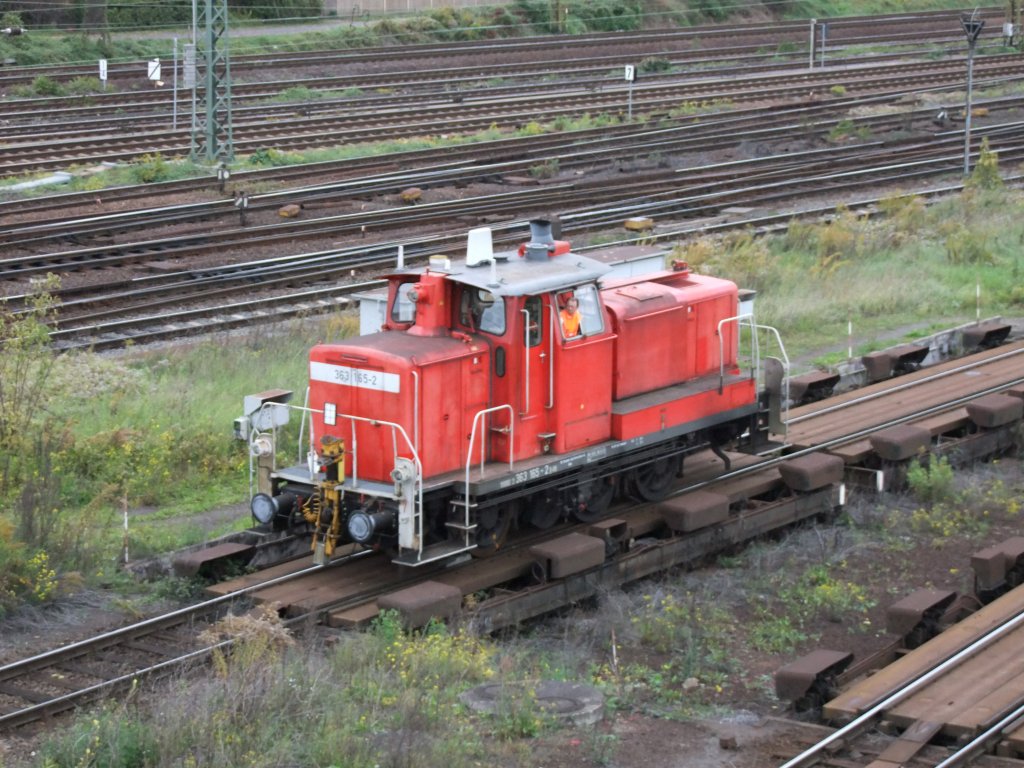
(630, 77)
(153, 71)
(241, 203)
(103, 73)
(223, 174)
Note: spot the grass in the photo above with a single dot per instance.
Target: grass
(156, 168)
(884, 274)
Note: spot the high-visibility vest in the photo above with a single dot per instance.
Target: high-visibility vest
(570, 322)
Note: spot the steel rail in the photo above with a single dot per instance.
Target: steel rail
(134, 631)
(609, 80)
(808, 756)
(592, 136)
(134, 108)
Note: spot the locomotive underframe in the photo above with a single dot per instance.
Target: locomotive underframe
(536, 493)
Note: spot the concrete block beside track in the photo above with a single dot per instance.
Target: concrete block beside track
(878, 365)
(569, 554)
(997, 410)
(695, 510)
(811, 472)
(990, 565)
(422, 602)
(901, 442)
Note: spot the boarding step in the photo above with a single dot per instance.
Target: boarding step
(433, 553)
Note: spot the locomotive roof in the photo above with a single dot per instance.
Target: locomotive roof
(519, 276)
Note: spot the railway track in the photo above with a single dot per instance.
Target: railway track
(123, 311)
(381, 118)
(516, 584)
(936, 702)
(504, 157)
(912, 30)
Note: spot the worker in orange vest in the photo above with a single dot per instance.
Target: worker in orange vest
(570, 315)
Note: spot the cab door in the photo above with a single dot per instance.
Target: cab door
(582, 396)
(536, 339)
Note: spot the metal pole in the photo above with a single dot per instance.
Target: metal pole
(174, 88)
(195, 59)
(967, 117)
(824, 34)
(629, 104)
(810, 57)
(972, 26)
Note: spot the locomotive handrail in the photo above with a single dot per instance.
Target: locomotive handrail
(526, 358)
(755, 350)
(415, 408)
(302, 430)
(755, 346)
(396, 429)
(551, 357)
(472, 441)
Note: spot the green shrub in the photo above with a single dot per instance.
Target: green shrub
(150, 168)
(986, 171)
(82, 86)
(655, 64)
(45, 86)
(931, 481)
(270, 157)
(847, 129)
(25, 575)
(546, 170)
(965, 246)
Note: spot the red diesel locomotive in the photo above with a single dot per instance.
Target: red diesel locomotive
(521, 388)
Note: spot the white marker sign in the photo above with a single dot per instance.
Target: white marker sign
(354, 377)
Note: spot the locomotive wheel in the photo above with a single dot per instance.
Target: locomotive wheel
(492, 527)
(543, 510)
(652, 481)
(593, 498)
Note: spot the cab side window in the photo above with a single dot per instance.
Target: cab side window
(580, 312)
(481, 310)
(535, 320)
(404, 308)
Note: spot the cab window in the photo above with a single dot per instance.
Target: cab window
(536, 319)
(579, 312)
(481, 310)
(404, 308)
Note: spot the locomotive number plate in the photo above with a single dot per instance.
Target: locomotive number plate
(354, 377)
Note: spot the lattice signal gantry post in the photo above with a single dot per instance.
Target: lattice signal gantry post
(212, 138)
(972, 26)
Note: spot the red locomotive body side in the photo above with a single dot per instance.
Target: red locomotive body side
(667, 329)
(669, 347)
